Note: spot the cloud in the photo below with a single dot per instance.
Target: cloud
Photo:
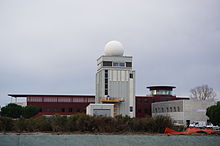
(52, 46)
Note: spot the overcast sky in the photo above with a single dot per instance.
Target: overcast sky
(49, 46)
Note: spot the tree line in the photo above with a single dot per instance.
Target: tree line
(16, 111)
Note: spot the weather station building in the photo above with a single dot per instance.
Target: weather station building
(115, 91)
(115, 83)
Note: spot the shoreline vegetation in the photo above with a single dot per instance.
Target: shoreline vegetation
(82, 123)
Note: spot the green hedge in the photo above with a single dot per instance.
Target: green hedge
(85, 123)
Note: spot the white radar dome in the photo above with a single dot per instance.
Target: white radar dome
(114, 48)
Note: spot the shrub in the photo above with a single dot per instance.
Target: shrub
(20, 125)
(11, 110)
(160, 123)
(213, 112)
(78, 122)
(6, 124)
(29, 111)
(58, 123)
(39, 124)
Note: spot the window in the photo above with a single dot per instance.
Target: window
(128, 64)
(131, 76)
(170, 109)
(115, 63)
(178, 109)
(121, 64)
(63, 109)
(64, 99)
(106, 82)
(55, 109)
(106, 92)
(70, 110)
(50, 99)
(47, 109)
(167, 109)
(78, 110)
(107, 63)
(145, 101)
(155, 110)
(131, 108)
(162, 110)
(118, 64)
(174, 108)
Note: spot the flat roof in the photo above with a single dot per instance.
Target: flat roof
(161, 87)
(48, 95)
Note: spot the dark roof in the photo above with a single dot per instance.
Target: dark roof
(49, 95)
(161, 87)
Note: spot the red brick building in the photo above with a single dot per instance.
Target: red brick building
(72, 104)
(58, 104)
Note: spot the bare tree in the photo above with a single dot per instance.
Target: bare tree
(203, 92)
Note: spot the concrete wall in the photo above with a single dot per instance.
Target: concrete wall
(188, 110)
(92, 109)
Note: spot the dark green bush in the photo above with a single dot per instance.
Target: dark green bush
(58, 123)
(39, 124)
(20, 125)
(11, 110)
(85, 123)
(160, 123)
(79, 122)
(29, 111)
(6, 124)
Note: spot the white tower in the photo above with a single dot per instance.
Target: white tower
(115, 80)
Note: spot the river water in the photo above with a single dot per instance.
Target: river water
(106, 140)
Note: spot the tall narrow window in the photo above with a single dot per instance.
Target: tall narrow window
(131, 108)
(106, 82)
(178, 109)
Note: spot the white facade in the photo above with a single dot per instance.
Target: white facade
(182, 111)
(100, 109)
(115, 80)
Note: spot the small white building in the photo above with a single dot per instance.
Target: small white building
(100, 110)
(182, 111)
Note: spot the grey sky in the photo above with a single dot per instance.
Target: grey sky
(49, 46)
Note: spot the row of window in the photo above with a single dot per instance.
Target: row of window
(106, 82)
(167, 109)
(57, 99)
(70, 110)
(117, 64)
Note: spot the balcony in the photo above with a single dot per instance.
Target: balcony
(111, 99)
